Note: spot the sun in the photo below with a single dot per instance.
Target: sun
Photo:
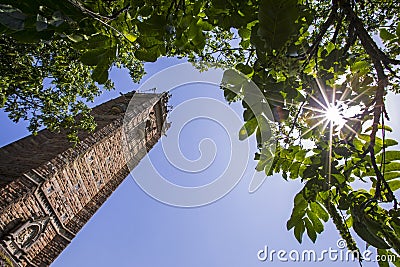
(334, 114)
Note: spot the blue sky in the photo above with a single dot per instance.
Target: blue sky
(134, 229)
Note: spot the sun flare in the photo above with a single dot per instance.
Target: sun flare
(334, 114)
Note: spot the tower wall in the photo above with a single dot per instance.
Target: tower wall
(50, 189)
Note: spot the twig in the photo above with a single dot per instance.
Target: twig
(119, 12)
(228, 49)
(97, 17)
(310, 52)
(338, 27)
(296, 117)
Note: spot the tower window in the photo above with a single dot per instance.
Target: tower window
(64, 217)
(90, 158)
(77, 186)
(50, 189)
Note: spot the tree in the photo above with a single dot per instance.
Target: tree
(317, 62)
(44, 78)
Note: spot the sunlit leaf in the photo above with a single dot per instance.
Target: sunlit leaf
(248, 129)
(386, 35)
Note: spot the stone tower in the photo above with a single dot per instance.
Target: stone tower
(50, 189)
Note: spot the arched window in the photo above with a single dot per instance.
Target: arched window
(27, 235)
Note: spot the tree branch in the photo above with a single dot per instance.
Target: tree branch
(324, 29)
(338, 27)
(119, 12)
(227, 49)
(369, 44)
(98, 17)
(378, 59)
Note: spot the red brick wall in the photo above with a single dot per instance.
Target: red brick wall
(44, 176)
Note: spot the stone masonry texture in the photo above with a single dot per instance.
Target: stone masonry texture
(50, 188)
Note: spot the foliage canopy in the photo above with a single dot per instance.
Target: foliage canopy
(308, 58)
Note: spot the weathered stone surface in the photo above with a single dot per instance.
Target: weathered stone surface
(50, 189)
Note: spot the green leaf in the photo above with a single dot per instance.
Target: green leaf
(342, 151)
(100, 73)
(248, 129)
(330, 47)
(391, 175)
(245, 69)
(146, 10)
(292, 222)
(130, 37)
(360, 65)
(358, 144)
(3, 100)
(233, 81)
(265, 128)
(27, 36)
(294, 170)
(244, 33)
(392, 166)
(150, 41)
(75, 38)
(318, 226)
(277, 21)
(398, 30)
(311, 232)
(298, 212)
(193, 31)
(153, 26)
(394, 184)
(231, 96)
(389, 156)
(147, 54)
(386, 127)
(93, 57)
(372, 239)
(299, 231)
(11, 17)
(386, 35)
(300, 203)
(300, 155)
(98, 41)
(205, 25)
(339, 177)
(247, 114)
(319, 211)
(264, 162)
(309, 172)
(390, 142)
(349, 222)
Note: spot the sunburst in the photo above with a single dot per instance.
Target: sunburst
(333, 112)
(339, 117)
